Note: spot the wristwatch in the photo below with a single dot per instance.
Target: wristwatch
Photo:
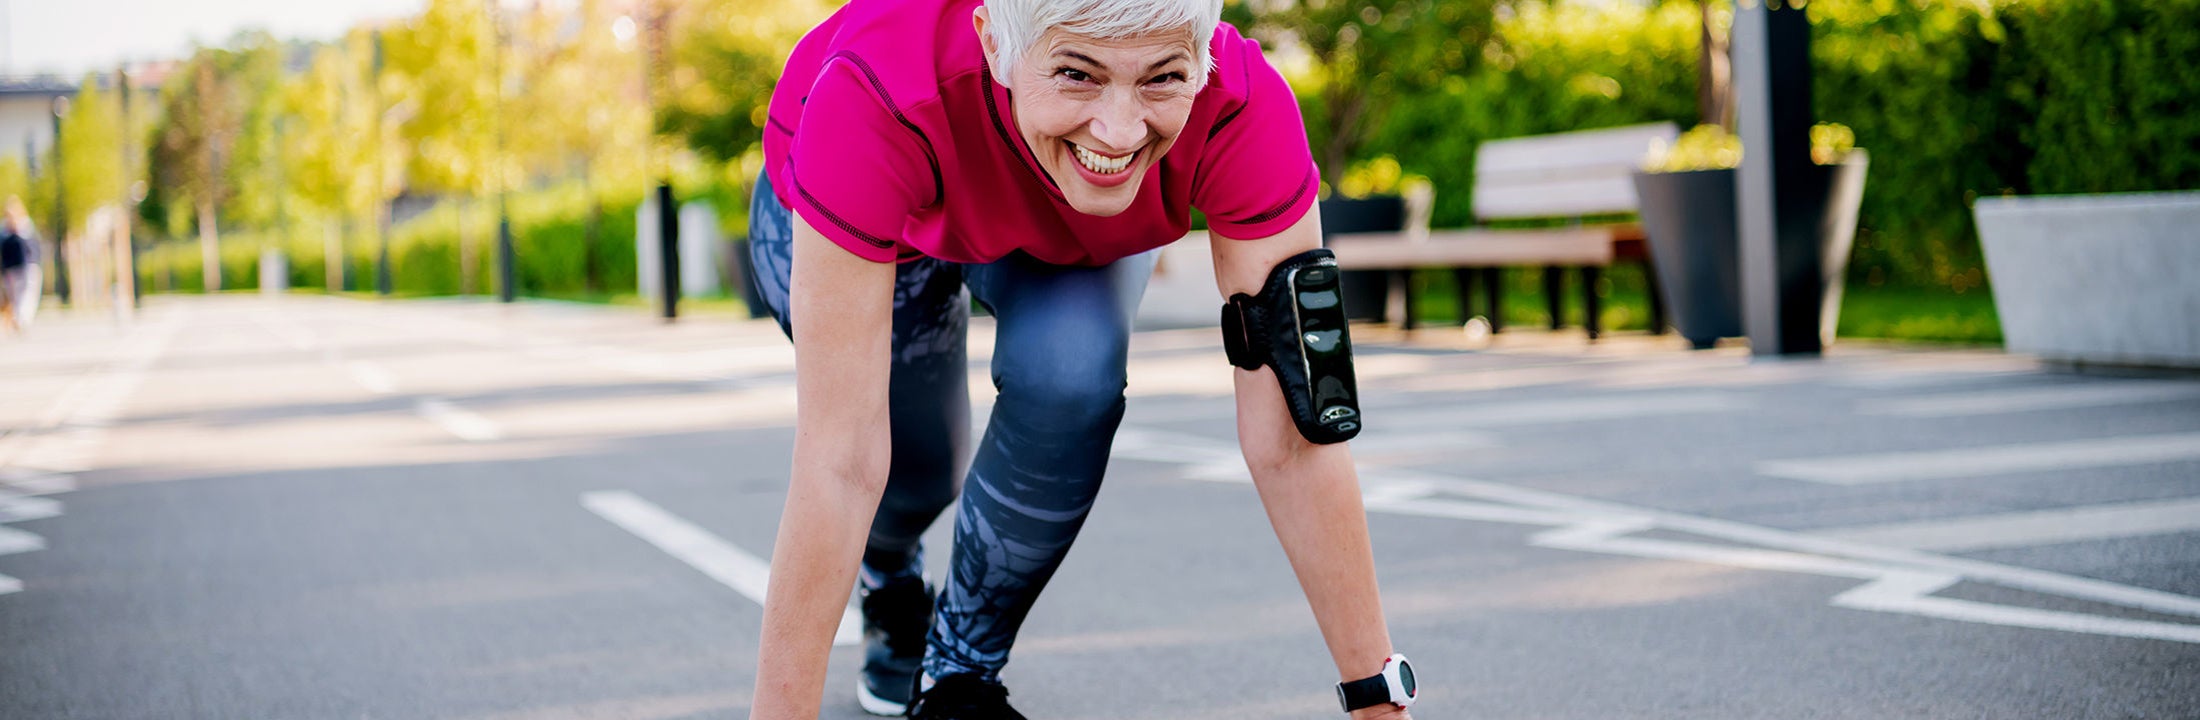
(1393, 685)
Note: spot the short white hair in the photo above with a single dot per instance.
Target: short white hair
(1017, 24)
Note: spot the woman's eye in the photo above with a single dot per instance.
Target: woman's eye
(1169, 78)
(1073, 75)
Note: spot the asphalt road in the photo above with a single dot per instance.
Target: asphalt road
(319, 508)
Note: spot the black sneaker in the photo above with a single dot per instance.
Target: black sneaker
(964, 697)
(895, 620)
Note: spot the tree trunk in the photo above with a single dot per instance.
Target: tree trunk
(332, 255)
(210, 252)
(1714, 71)
(466, 265)
(589, 281)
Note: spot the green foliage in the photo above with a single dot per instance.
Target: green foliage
(91, 159)
(1703, 147)
(215, 141)
(443, 65)
(1711, 147)
(2109, 89)
(729, 54)
(1914, 79)
(1956, 99)
(1548, 68)
(332, 162)
(1365, 59)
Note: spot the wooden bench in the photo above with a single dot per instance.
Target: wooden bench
(1568, 175)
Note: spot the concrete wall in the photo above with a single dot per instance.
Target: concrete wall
(2100, 279)
(25, 117)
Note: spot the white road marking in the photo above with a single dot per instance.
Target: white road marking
(296, 336)
(459, 421)
(371, 377)
(17, 507)
(42, 483)
(1613, 407)
(2025, 529)
(1911, 593)
(65, 437)
(716, 558)
(2011, 400)
(1900, 580)
(1993, 460)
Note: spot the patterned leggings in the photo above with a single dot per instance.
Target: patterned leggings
(1058, 364)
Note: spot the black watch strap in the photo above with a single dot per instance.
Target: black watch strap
(1363, 693)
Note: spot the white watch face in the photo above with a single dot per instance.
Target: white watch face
(1398, 679)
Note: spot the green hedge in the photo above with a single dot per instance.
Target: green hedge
(1954, 99)
(549, 231)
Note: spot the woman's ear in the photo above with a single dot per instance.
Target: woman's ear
(979, 18)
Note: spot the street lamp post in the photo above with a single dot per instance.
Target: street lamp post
(507, 291)
(381, 176)
(668, 218)
(1782, 284)
(60, 228)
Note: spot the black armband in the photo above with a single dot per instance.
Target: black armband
(1296, 325)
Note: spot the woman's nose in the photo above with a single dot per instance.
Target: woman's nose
(1120, 123)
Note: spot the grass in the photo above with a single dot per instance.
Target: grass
(1927, 314)
(1938, 315)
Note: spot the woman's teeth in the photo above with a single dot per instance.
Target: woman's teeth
(1099, 163)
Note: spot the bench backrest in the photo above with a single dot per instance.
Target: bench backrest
(1563, 175)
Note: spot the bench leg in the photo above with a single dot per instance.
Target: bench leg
(1463, 279)
(1590, 304)
(1401, 299)
(1554, 287)
(1493, 288)
(1657, 296)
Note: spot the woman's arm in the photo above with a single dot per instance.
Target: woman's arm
(1310, 491)
(841, 307)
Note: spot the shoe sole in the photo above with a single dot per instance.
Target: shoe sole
(876, 705)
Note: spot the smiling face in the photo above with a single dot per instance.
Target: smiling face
(1097, 113)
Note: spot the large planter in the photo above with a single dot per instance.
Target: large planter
(1690, 219)
(1366, 292)
(2096, 279)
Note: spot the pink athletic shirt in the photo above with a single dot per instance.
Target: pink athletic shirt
(889, 135)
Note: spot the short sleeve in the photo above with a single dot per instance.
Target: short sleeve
(857, 169)
(1258, 175)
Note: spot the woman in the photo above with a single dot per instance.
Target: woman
(19, 278)
(1030, 151)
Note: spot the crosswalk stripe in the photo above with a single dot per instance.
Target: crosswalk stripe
(2010, 400)
(1985, 461)
(2026, 529)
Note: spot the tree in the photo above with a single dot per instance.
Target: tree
(208, 150)
(443, 63)
(91, 141)
(730, 54)
(1364, 56)
(332, 168)
(586, 114)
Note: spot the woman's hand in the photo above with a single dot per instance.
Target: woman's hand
(842, 309)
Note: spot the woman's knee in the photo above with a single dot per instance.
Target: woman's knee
(1073, 379)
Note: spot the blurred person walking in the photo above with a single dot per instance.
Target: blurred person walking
(1030, 155)
(19, 277)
